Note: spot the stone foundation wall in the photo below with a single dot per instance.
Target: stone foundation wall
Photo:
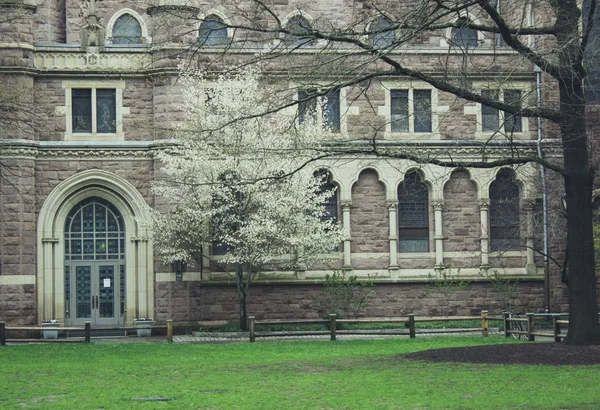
(193, 301)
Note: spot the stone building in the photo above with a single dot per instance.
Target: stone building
(99, 83)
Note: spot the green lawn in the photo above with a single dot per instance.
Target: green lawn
(281, 375)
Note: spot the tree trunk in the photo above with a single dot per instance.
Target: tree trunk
(583, 308)
(242, 293)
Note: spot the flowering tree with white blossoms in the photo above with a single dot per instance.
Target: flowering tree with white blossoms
(241, 184)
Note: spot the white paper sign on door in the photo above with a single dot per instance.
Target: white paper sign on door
(107, 283)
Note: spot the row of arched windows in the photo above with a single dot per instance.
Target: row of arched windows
(127, 29)
(414, 204)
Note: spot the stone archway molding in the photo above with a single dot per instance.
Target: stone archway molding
(125, 197)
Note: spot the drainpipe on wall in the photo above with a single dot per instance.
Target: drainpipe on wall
(538, 80)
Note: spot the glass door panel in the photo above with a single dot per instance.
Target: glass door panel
(106, 308)
(83, 292)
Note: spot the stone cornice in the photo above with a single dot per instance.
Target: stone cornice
(148, 149)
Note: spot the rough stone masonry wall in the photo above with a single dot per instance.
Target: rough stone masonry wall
(192, 301)
(369, 219)
(461, 220)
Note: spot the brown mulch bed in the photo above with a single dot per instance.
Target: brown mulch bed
(549, 354)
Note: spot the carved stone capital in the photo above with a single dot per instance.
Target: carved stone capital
(437, 204)
(529, 204)
(483, 203)
(392, 205)
(346, 205)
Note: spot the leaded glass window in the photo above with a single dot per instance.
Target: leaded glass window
(413, 214)
(410, 110)
(381, 33)
(489, 116)
(512, 122)
(331, 204)
(307, 105)
(106, 110)
(213, 32)
(299, 32)
(399, 110)
(504, 213)
(127, 30)
(94, 231)
(81, 100)
(463, 36)
(94, 110)
(331, 111)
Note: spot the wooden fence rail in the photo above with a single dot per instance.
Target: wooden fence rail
(333, 322)
(526, 325)
(87, 331)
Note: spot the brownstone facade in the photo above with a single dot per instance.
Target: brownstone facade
(49, 167)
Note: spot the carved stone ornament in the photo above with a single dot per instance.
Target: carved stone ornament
(483, 203)
(92, 33)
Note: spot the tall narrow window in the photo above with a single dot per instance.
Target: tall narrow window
(81, 100)
(299, 32)
(106, 111)
(307, 105)
(413, 215)
(399, 107)
(213, 31)
(489, 116)
(512, 122)
(463, 36)
(381, 33)
(422, 110)
(410, 110)
(331, 111)
(504, 213)
(331, 205)
(127, 30)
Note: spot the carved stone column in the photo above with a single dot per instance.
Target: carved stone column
(528, 206)
(484, 206)
(438, 206)
(393, 216)
(348, 240)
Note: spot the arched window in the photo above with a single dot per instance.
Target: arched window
(299, 32)
(331, 204)
(127, 30)
(504, 213)
(381, 33)
(213, 31)
(463, 36)
(413, 214)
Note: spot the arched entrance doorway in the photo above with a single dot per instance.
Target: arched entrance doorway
(95, 263)
(95, 259)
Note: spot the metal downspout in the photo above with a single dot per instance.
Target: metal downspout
(538, 80)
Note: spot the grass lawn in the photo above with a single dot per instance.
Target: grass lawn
(281, 375)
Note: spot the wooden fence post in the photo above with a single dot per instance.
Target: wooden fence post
(530, 328)
(88, 331)
(506, 324)
(484, 323)
(555, 319)
(251, 320)
(2, 333)
(169, 330)
(332, 325)
(411, 326)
